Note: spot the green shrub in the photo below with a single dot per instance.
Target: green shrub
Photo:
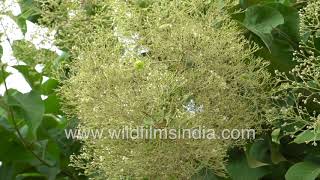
(297, 94)
(195, 53)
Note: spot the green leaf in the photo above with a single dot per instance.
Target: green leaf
(52, 105)
(6, 171)
(58, 62)
(4, 123)
(307, 136)
(29, 12)
(52, 122)
(276, 156)
(275, 136)
(288, 2)
(247, 3)
(253, 163)
(281, 55)
(28, 175)
(282, 41)
(49, 86)
(22, 23)
(261, 20)
(31, 106)
(12, 151)
(260, 151)
(1, 51)
(24, 131)
(8, 141)
(3, 75)
(303, 171)
(239, 169)
(50, 172)
(277, 171)
(33, 78)
(289, 30)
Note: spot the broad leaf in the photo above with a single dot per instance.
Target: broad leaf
(260, 151)
(289, 30)
(31, 106)
(52, 105)
(238, 168)
(307, 136)
(303, 171)
(276, 156)
(282, 40)
(261, 20)
(49, 86)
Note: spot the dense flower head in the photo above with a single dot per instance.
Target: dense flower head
(164, 64)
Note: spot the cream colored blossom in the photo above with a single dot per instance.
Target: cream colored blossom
(189, 58)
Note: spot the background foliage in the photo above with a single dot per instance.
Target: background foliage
(32, 140)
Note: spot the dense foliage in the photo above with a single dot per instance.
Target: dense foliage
(32, 139)
(220, 64)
